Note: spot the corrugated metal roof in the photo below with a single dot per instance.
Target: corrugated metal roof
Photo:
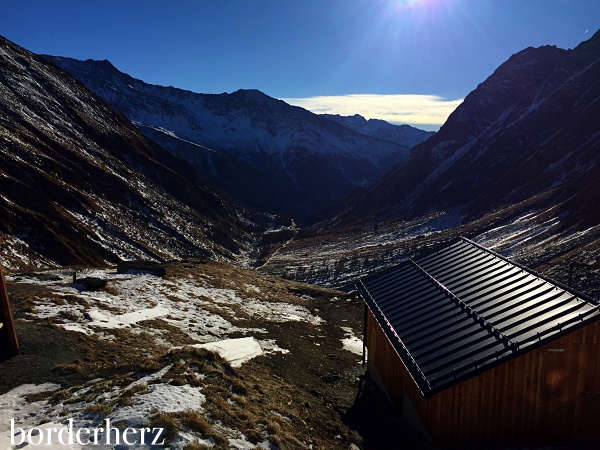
(464, 309)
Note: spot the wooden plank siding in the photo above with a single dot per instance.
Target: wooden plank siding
(9, 344)
(548, 396)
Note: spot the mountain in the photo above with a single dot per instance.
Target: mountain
(260, 151)
(530, 128)
(79, 184)
(402, 134)
(516, 167)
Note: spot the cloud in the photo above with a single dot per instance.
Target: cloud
(430, 110)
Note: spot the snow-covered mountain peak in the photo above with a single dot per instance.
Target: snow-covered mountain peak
(404, 134)
(251, 145)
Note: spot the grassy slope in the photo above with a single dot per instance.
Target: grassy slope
(309, 396)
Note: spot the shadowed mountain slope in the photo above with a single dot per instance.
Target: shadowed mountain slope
(261, 151)
(80, 185)
(531, 127)
(516, 168)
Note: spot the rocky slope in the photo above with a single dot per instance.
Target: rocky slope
(80, 185)
(516, 167)
(531, 127)
(261, 151)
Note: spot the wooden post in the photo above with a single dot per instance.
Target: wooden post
(9, 345)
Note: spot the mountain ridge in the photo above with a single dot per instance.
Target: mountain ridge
(260, 151)
(521, 132)
(80, 185)
(515, 168)
(405, 134)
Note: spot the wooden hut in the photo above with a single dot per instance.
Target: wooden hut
(477, 351)
(9, 344)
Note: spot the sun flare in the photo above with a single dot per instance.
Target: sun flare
(403, 5)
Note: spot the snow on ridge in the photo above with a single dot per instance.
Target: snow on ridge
(173, 135)
(223, 121)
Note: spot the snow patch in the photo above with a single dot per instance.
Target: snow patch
(351, 342)
(13, 405)
(105, 321)
(234, 351)
(164, 398)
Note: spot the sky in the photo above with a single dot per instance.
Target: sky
(405, 61)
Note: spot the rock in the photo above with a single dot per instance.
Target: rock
(142, 266)
(41, 276)
(91, 283)
(315, 393)
(331, 377)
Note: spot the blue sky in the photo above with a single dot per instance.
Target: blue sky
(341, 56)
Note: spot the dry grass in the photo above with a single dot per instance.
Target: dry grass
(105, 357)
(225, 393)
(178, 381)
(195, 446)
(263, 399)
(170, 332)
(69, 368)
(168, 422)
(271, 288)
(100, 409)
(112, 290)
(273, 427)
(23, 302)
(74, 300)
(173, 298)
(39, 396)
(60, 396)
(194, 421)
(237, 386)
(69, 315)
(189, 421)
(125, 398)
(141, 388)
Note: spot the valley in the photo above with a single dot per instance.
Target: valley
(526, 233)
(261, 152)
(263, 215)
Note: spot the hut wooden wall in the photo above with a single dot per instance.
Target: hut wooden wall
(542, 397)
(9, 344)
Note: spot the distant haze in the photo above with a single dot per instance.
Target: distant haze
(427, 112)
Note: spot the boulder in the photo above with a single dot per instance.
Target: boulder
(91, 283)
(142, 266)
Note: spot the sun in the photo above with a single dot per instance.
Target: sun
(403, 5)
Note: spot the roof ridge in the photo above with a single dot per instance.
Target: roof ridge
(469, 310)
(461, 338)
